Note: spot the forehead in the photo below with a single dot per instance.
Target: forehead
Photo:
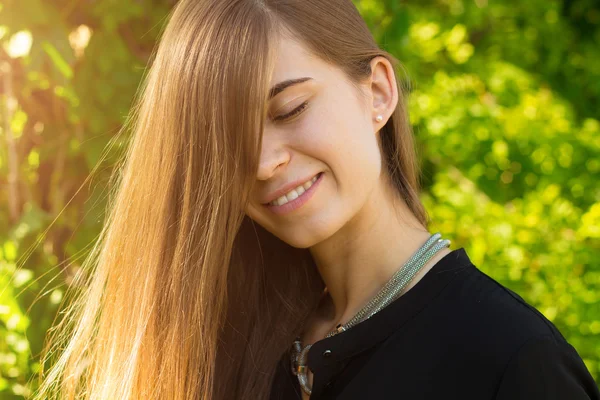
(293, 60)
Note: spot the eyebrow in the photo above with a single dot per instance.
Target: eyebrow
(281, 86)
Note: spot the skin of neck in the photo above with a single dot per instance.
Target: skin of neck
(357, 261)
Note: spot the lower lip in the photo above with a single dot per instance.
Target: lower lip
(297, 202)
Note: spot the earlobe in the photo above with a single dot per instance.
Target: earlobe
(383, 88)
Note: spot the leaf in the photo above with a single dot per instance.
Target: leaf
(57, 59)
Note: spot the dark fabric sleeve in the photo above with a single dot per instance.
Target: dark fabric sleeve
(547, 368)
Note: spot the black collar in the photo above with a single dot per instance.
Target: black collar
(381, 325)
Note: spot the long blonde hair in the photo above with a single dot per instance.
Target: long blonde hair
(184, 296)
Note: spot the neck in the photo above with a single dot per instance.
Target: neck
(360, 258)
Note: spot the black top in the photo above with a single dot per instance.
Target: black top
(456, 334)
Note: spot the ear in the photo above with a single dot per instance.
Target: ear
(383, 90)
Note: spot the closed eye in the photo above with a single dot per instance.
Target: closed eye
(293, 113)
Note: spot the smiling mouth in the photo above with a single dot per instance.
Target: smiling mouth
(294, 193)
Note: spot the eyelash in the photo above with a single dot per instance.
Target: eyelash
(293, 113)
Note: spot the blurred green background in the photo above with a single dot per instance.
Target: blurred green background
(505, 107)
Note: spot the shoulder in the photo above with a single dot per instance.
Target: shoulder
(533, 359)
(546, 368)
(490, 309)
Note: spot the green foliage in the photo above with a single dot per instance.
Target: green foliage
(504, 103)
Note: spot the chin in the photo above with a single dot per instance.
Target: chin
(299, 242)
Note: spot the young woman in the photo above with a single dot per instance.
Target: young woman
(267, 240)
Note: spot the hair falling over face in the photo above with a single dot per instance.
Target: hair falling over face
(184, 296)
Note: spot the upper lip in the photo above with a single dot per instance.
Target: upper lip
(285, 188)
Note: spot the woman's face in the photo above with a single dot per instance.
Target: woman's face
(331, 131)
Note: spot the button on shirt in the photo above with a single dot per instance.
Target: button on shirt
(456, 334)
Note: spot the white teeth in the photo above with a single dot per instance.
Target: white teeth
(280, 201)
(294, 193)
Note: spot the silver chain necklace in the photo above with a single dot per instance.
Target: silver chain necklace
(386, 295)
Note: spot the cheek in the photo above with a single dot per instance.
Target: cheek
(346, 144)
(352, 163)
(251, 213)
(256, 213)
(328, 134)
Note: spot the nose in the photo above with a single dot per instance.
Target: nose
(272, 155)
